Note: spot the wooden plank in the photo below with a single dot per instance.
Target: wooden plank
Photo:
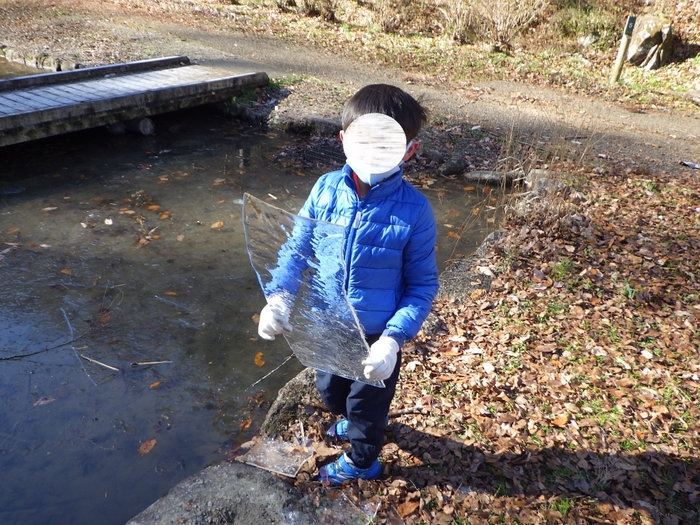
(21, 104)
(94, 90)
(59, 92)
(91, 72)
(100, 111)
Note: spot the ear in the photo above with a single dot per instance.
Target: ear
(412, 147)
(341, 134)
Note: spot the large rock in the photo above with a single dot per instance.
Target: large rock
(289, 403)
(228, 493)
(652, 42)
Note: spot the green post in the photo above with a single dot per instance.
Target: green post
(622, 52)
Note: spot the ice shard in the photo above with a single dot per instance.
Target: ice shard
(299, 261)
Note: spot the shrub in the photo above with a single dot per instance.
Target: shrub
(322, 8)
(501, 20)
(581, 19)
(459, 20)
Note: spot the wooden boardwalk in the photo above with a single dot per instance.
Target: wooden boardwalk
(40, 106)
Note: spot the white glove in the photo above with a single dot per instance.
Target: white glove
(382, 359)
(274, 318)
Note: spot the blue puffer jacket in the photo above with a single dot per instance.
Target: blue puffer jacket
(389, 251)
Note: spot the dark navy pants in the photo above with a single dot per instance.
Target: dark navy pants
(365, 406)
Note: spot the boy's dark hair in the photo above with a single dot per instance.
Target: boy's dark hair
(388, 100)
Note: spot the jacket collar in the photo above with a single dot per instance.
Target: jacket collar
(383, 188)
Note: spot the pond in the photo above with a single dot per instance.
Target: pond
(129, 356)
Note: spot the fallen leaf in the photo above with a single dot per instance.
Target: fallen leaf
(245, 424)
(156, 384)
(217, 224)
(43, 401)
(49, 208)
(67, 271)
(408, 507)
(259, 360)
(164, 215)
(147, 446)
(11, 231)
(560, 421)
(154, 207)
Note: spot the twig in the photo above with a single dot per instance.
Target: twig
(99, 363)
(70, 327)
(171, 303)
(30, 354)
(404, 411)
(100, 446)
(145, 363)
(65, 316)
(272, 372)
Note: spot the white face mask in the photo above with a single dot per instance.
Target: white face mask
(376, 178)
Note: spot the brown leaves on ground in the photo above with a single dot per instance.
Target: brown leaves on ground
(568, 391)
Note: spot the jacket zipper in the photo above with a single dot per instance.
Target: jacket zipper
(351, 239)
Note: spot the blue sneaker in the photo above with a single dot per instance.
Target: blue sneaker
(339, 430)
(343, 470)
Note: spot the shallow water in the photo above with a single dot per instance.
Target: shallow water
(127, 249)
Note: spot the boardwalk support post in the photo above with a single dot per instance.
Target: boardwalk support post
(142, 126)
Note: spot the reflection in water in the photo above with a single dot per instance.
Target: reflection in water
(299, 261)
(135, 244)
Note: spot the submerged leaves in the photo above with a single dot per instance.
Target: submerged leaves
(147, 446)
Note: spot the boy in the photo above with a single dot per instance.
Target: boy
(389, 249)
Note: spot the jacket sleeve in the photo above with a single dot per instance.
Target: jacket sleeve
(420, 276)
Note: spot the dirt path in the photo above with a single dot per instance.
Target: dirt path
(654, 141)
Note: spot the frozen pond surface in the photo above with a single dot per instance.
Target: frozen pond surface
(127, 250)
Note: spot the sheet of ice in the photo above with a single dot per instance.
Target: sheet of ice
(279, 457)
(300, 260)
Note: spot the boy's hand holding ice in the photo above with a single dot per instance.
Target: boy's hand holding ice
(382, 358)
(274, 318)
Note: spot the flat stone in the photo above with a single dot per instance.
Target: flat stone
(227, 493)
